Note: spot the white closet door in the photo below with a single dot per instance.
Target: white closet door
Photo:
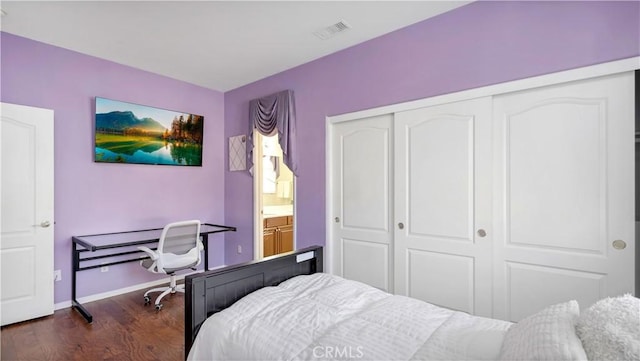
(361, 165)
(443, 205)
(564, 188)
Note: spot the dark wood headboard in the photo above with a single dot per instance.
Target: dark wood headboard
(210, 292)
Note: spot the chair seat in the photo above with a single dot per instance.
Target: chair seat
(171, 260)
(174, 262)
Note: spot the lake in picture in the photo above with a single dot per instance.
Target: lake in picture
(131, 133)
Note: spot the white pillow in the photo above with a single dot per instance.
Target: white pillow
(547, 335)
(610, 329)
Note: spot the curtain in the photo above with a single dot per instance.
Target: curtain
(272, 114)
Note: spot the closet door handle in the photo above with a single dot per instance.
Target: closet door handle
(619, 244)
(482, 232)
(401, 225)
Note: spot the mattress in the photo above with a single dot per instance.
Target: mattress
(322, 316)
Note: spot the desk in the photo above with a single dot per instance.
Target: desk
(126, 242)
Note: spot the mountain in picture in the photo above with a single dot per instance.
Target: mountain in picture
(126, 120)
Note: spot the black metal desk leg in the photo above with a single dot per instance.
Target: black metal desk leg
(75, 256)
(205, 243)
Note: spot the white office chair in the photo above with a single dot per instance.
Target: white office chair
(179, 248)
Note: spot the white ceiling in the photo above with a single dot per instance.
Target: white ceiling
(220, 45)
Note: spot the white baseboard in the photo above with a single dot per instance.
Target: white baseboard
(121, 291)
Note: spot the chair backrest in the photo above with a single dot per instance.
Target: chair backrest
(179, 237)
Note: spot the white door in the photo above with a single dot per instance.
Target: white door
(26, 253)
(443, 205)
(362, 186)
(564, 188)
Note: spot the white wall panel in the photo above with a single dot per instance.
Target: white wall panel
(365, 168)
(532, 288)
(366, 262)
(557, 156)
(442, 279)
(440, 177)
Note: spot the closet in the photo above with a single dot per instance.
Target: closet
(497, 205)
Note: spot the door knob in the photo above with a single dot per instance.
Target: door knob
(337, 219)
(45, 224)
(482, 233)
(619, 244)
(401, 225)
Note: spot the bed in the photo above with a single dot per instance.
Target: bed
(285, 308)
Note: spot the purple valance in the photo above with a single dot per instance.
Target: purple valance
(271, 114)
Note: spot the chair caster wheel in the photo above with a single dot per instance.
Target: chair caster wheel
(147, 300)
(159, 307)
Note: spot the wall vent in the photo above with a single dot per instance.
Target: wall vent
(333, 30)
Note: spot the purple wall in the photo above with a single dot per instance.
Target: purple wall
(98, 197)
(476, 45)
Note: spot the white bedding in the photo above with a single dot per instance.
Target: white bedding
(327, 317)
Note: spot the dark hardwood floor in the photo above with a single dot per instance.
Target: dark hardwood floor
(123, 328)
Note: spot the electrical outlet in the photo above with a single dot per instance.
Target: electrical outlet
(239, 249)
(57, 275)
(104, 269)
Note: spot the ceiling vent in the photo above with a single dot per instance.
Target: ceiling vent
(333, 30)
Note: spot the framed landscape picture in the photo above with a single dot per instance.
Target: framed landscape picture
(132, 133)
